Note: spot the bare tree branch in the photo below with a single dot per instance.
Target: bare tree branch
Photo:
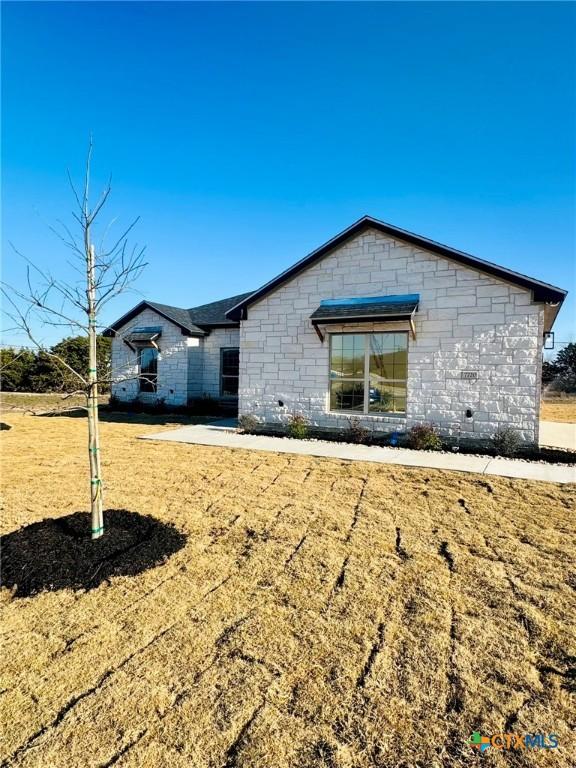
(101, 203)
(73, 188)
(87, 180)
(23, 323)
(11, 362)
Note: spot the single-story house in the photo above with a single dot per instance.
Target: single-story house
(378, 324)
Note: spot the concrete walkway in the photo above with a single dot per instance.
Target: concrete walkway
(556, 435)
(222, 433)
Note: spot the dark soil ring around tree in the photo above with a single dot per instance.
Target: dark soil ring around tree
(58, 553)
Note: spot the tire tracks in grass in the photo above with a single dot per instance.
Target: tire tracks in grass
(30, 743)
(377, 646)
(220, 655)
(262, 661)
(233, 751)
(94, 689)
(179, 573)
(127, 607)
(356, 515)
(70, 705)
(378, 669)
(339, 581)
(380, 637)
(383, 616)
(124, 750)
(436, 544)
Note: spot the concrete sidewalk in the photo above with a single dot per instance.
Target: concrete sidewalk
(555, 434)
(224, 435)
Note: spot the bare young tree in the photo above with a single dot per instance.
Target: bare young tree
(103, 272)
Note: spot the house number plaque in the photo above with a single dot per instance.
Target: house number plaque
(469, 375)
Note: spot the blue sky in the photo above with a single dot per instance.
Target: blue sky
(247, 134)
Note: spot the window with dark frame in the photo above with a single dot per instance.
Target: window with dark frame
(229, 371)
(148, 369)
(368, 372)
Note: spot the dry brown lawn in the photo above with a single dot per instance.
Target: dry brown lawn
(559, 409)
(31, 401)
(321, 613)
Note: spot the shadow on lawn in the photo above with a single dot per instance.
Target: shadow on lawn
(59, 553)
(131, 417)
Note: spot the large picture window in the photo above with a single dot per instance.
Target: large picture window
(148, 369)
(229, 370)
(368, 372)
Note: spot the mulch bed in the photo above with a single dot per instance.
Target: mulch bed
(526, 453)
(58, 553)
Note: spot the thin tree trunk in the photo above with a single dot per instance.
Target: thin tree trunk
(107, 276)
(93, 433)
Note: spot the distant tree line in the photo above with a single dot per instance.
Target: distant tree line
(29, 371)
(25, 370)
(560, 374)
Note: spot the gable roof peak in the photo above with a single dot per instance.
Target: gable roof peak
(542, 292)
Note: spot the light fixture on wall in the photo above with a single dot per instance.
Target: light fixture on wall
(549, 340)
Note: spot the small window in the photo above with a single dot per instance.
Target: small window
(229, 370)
(148, 369)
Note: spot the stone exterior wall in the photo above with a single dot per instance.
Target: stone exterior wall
(172, 362)
(188, 367)
(219, 338)
(467, 321)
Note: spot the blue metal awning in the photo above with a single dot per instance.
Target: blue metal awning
(366, 309)
(143, 336)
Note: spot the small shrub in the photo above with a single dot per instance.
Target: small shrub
(114, 403)
(159, 406)
(134, 405)
(506, 441)
(248, 423)
(298, 426)
(357, 432)
(204, 406)
(424, 437)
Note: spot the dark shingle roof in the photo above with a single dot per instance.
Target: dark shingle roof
(179, 316)
(196, 321)
(215, 312)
